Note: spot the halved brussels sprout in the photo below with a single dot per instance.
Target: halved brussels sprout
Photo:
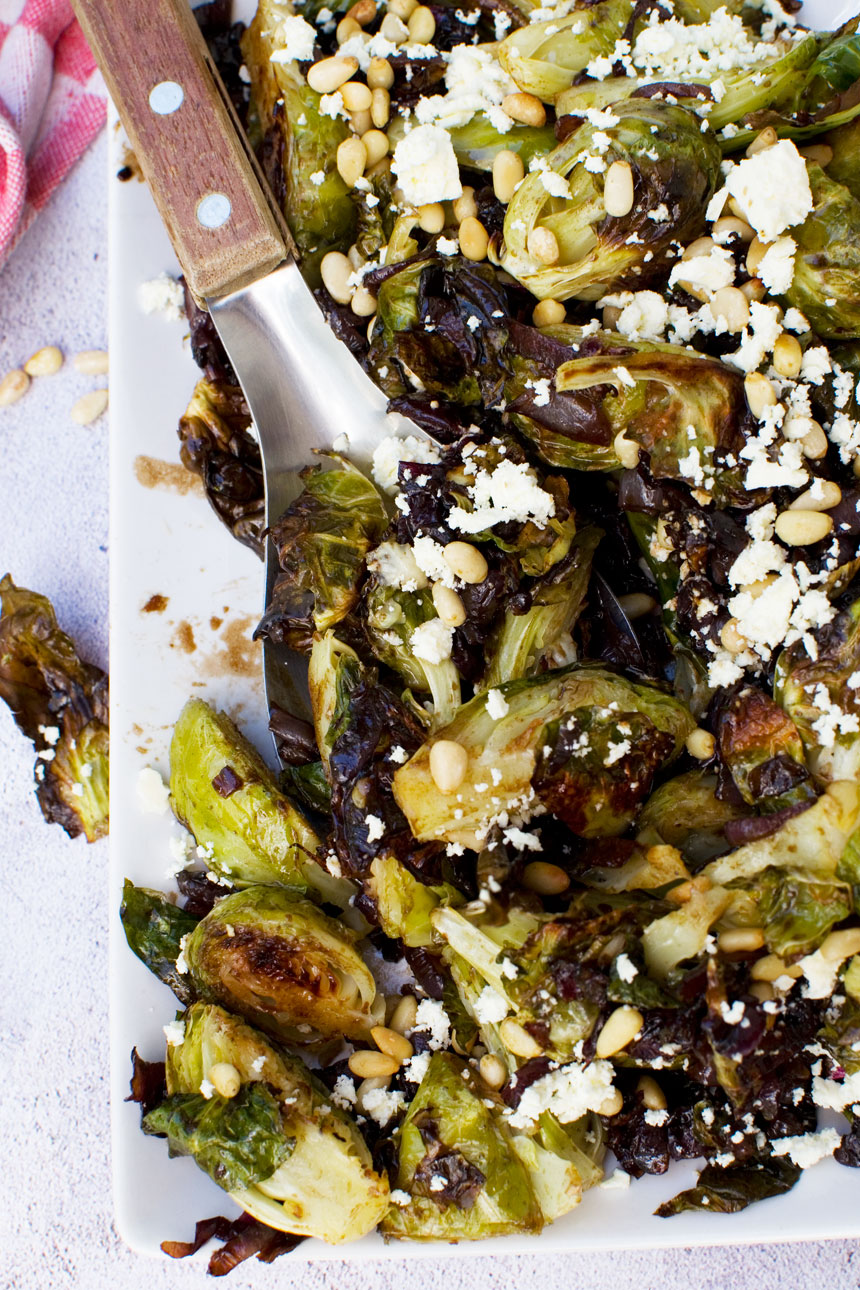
(544, 58)
(403, 904)
(155, 929)
(826, 282)
(760, 746)
(686, 813)
(392, 616)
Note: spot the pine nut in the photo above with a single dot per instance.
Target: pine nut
(814, 443)
(730, 304)
(449, 762)
(448, 605)
(369, 1086)
(422, 25)
(394, 29)
(771, 967)
(45, 362)
(730, 637)
(225, 1079)
(636, 605)
(474, 239)
(336, 270)
(839, 946)
(820, 154)
(391, 1043)
(626, 451)
(612, 1105)
(618, 189)
(329, 74)
(755, 255)
(367, 1064)
(361, 121)
(652, 1094)
(493, 1071)
(823, 496)
(380, 111)
(402, 8)
(517, 1039)
(728, 226)
(362, 12)
(545, 879)
(346, 29)
(524, 107)
(547, 313)
(620, 1029)
(701, 246)
(760, 586)
(766, 139)
(508, 172)
(375, 145)
(380, 74)
(763, 991)
(431, 218)
(351, 160)
(787, 356)
(701, 744)
(356, 96)
(753, 290)
(91, 362)
(355, 257)
(14, 386)
(465, 206)
(466, 561)
(89, 407)
(611, 314)
(803, 528)
(740, 940)
(363, 303)
(760, 394)
(403, 1017)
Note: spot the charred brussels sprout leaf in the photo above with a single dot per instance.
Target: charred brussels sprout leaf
(61, 704)
(686, 813)
(322, 541)
(727, 1191)
(797, 911)
(326, 1186)
(309, 785)
(403, 904)
(392, 616)
(284, 965)
(154, 929)
(845, 165)
(760, 747)
(450, 1134)
(827, 265)
(545, 57)
(477, 142)
(596, 251)
(237, 1141)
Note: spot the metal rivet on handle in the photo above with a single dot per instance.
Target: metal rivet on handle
(166, 97)
(214, 210)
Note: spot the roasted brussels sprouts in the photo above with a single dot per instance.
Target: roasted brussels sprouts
(392, 617)
(686, 813)
(544, 58)
(403, 905)
(844, 167)
(281, 963)
(155, 929)
(760, 747)
(795, 910)
(826, 282)
(600, 252)
(61, 704)
(325, 1185)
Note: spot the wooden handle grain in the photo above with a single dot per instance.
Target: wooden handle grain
(194, 157)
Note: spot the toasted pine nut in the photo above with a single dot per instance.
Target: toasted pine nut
(652, 1094)
(14, 386)
(431, 218)
(820, 154)
(380, 74)
(89, 407)
(755, 255)
(225, 1079)
(474, 239)
(730, 304)
(636, 605)
(701, 246)
(351, 160)
(369, 1085)
(403, 1016)
(823, 496)
(394, 29)
(403, 9)
(740, 940)
(91, 362)
(362, 12)
(367, 1064)
(613, 1103)
(380, 109)
(620, 1029)
(517, 1039)
(753, 290)
(611, 314)
(508, 172)
(336, 270)
(356, 96)
(787, 355)
(701, 744)
(524, 107)
(618, 189)
(814, 443)
(546, 313)
(803, 528)
(839, 946)
(626, 451)
(762, 990)
(731, 638)
(375, 144)
(493, 1071)
(361, 121)
(363, 303)
(448, 605)
(760, 394)
(466, 561)
(765, 139)
(45, 361)
(449, 762)
(391, 1043)
(346, 29)
(545, 879)
(329, 74)
(771, 967)
(729, 225)
(465, 206)
(422, 25)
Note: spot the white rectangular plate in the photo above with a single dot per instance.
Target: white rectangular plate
(166, 542)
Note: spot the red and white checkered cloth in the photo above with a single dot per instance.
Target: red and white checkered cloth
(52, 105)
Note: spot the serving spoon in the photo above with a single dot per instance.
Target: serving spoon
(303, 387)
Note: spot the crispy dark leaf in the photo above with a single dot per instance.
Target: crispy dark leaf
(146, 1086)
(154, 929)
(726, 1191)
(243, 1238)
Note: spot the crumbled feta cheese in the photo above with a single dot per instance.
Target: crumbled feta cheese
(567, 1092)
(820, 973)
(388, 455)
(432, 641)
(497, 705)
(757, 339)
(398, 755)
(414, 1070)
(656, 1118)
(805, 1150)
(475, 81)
(541, 387)
(343, 1094)
(795, 321)
(152, 792)
(672, 50)
(296, 39)
(447, 245)
(509, 492)
(426, 166)
(709, 272)
(333, 105)
(375, 828)
(524, 841)
(317, 177)
(207, 1088)
(50, 734)
(400, 1197)
(174, 1033)
(430, 560)
(644, 314)
(772, 189)
(382, 1104)
(626, 968)
(395, 566)
(162, 295)
(490, 1007)
(816, 365)
(776, 268)
(433, 1018)
(732, 1014)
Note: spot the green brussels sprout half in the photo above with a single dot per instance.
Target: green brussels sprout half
(845, 166)
(503, 751)
(333, 673)
(403, 904)
(827, 264)
(544, 58)
(391, 617)
(796, 910)
(155, 929)
(477, 142)
(281, 963)
(254, 832)
(457, 1161)
(760, 746)
(686, 813)
(326, 1185)
(599, 252)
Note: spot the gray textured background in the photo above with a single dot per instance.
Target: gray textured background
(55, 1211)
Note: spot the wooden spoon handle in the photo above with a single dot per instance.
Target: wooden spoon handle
(222, 222)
